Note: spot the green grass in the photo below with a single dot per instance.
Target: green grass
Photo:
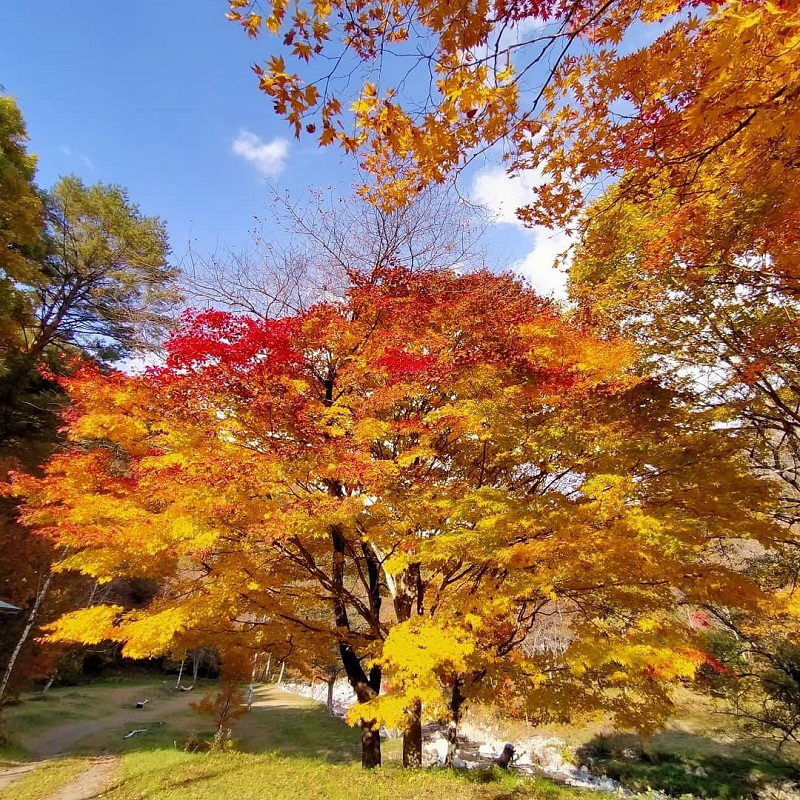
(671, 763)
(287, 747)
(296, 727)
(36, 713)
(12, 753)
(165, 775)
(44, 780)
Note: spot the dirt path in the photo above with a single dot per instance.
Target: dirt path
(91, 782)
(10, 775)
(63, 738)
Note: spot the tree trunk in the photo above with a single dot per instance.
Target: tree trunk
(456, 703)
(329, 701)
(251, 685)
(366, 687)
(280, 677)
(249, 697)
(40, 595)
(412, 737)
(180, 672)
(370, 745)
(408, 600)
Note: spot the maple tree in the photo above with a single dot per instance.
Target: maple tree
(760, 653)
(699, 97)
(418, 475)
(715, 312)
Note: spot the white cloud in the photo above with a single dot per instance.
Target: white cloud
(268, 158)
(502, 195)
(538, 267)
(497, 49)
(68, 152)
(528, 25)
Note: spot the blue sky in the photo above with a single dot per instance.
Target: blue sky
(158, 96)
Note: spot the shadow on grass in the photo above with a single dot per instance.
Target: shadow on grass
(683, 763)
(292, 731)
(303, 730)
(507, 785)
(159, 775)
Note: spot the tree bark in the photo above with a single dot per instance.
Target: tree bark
(180, 672)
(366, 687)
(40, 595)
(370, 745)
(412, 736)
(408, 601)
(329, 701)
(456, 704)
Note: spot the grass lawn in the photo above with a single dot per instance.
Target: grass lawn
(165, 775)
(287, 747)
(36, 713)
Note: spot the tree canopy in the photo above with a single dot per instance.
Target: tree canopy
(21, 212)
(420, 475)
(83, 275)
(700, 96)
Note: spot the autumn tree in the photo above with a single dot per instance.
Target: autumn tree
(568, 89)
(759, 652)
(83, 275)
(414, 474)
(715, 313)
(689, 110)
(708, 310)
